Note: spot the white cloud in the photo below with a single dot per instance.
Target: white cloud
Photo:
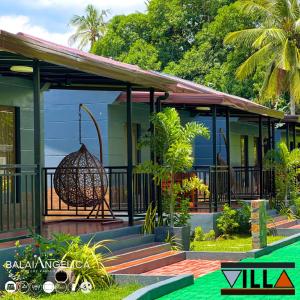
(19, 23)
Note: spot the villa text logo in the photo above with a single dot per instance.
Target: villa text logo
(255, 279)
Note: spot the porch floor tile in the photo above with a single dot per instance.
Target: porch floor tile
(197, 267)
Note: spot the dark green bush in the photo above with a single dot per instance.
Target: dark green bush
(227, 221)
(243, 218)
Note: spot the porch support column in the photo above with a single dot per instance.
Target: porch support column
(287, 135)
(269, 134)
(273, 148)
(37, 145)
(228, 156)
(158, 190)
(214, 151)
(294, 136)
(129, 156)
(273, 135)
(152, 154)
(260, 157)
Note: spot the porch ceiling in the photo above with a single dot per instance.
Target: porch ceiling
(63, 66)
(208, 97)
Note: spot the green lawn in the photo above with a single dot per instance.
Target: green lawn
(113, 293)
(238, 243)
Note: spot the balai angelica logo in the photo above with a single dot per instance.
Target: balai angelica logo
(282, 286)
(47, 264)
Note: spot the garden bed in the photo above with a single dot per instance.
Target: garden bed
(112, 293)
(238, 243)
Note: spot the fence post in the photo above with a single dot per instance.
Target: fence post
(259, 223)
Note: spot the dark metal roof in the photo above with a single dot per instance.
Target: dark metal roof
(292, 119)
(60, 61)
(209, 98)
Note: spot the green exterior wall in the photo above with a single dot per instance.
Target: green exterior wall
(140, 115)
(18, 93)
(117, 140)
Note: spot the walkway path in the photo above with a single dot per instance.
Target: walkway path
(208, 286)
(198, 267)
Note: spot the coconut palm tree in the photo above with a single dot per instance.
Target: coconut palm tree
(89, 28)
(276, 42)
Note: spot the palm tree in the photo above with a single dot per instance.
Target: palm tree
(90, 27)
(286, 166)
(275, 42)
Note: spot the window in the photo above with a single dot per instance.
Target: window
(7, 135)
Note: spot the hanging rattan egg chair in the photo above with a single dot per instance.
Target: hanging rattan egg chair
(80, 179)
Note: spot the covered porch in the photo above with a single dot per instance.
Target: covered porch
(231, 162)
(29, 66)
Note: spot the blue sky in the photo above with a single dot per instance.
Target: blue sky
(48, 19)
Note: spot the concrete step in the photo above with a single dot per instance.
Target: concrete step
(112, 234)
(134, 253)
(148, 263)
(128, 241)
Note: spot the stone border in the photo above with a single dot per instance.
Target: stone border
(216, 255)
(162, 288)
(274, 246)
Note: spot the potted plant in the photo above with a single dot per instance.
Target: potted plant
(173, 145)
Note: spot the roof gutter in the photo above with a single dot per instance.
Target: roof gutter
(159, 99)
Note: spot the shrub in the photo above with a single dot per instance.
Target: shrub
(150, 219)
(243, 218)
(227, 221)
(210, 236)
(297, 206)
(87, 263)
(199, 234)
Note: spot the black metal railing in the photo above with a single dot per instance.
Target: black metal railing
(244, 184)
(116, 195)
(17, 194)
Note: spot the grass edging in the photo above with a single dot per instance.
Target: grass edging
(162, 288)
(274, 246)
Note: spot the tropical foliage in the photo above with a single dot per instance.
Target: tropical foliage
(173, 145)
(89, 28)
(33, 262)
(286, 165)
(150, 219)
(275, 41)
(87, 263)
(184, 38)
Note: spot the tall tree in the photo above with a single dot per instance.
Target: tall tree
(89, 28)
(211, 63)
(276, 41)
(170, 26)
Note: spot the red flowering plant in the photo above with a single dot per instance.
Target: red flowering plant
(33, 262)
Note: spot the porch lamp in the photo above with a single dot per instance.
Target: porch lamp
(21, 69)
(203, 108)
